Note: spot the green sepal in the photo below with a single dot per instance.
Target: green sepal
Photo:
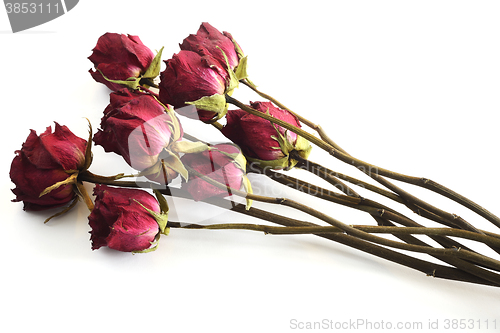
(161, 219)
(283, 163)
(285, 145)
(64, 211)
(237, 48)
(241, 69)
(70, 180)
(154, 69)
(88, 149)
(189, 147)
(162, 201)
(175, 127)
(248, 188)
(151, 249)
(131, 82)
(215, 103)
(238, 158)
(303, 147)
(233, 82)
(247, 80)
(174, 162)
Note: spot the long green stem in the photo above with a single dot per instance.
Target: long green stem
(329, 229)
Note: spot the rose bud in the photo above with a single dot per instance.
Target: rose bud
(124, 219)
(223, 163)
(191, 78)
(221, 46)
(118, 57)
(50, 160)
(136, 126)
(215, 43)
(263, 142)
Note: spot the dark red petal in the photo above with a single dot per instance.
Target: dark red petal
(31, 181)
(65, 147)
(189, 77)
(119, 222)
(142, 54)
(37, 153)
(218, 167)
(132, 231)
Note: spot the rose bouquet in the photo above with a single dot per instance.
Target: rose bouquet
(129, 212)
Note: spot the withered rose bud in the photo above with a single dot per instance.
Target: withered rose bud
(43, 161)
(119, 57)
(212, 41)
(121, 221)
(191, 77)
(137, 127)
(219, 164)
(263, 142)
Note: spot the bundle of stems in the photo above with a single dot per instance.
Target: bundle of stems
(461, 262)
(389, 221)
(457, 261)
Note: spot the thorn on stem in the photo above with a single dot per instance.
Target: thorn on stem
(433, 274)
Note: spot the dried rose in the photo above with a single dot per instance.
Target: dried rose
(191, 78)
(124, 219)
(136, 126)
(263, 142)
(121, 58)
(221, 46)
(214, 42)
(223, 163)
(44, 161)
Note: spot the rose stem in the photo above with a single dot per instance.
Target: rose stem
(364, 166)
(428, 268)
(329, 176)
(422, 182)
(491, 238)
(320, 170)
(419, 206)
(460, 253)
(217, 125)
(408, 261)
(372, 207)
(379, 212)
(348, 201)
(303, 120)
(415, 204)
(299, 230)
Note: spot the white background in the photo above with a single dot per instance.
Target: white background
(411, 86)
